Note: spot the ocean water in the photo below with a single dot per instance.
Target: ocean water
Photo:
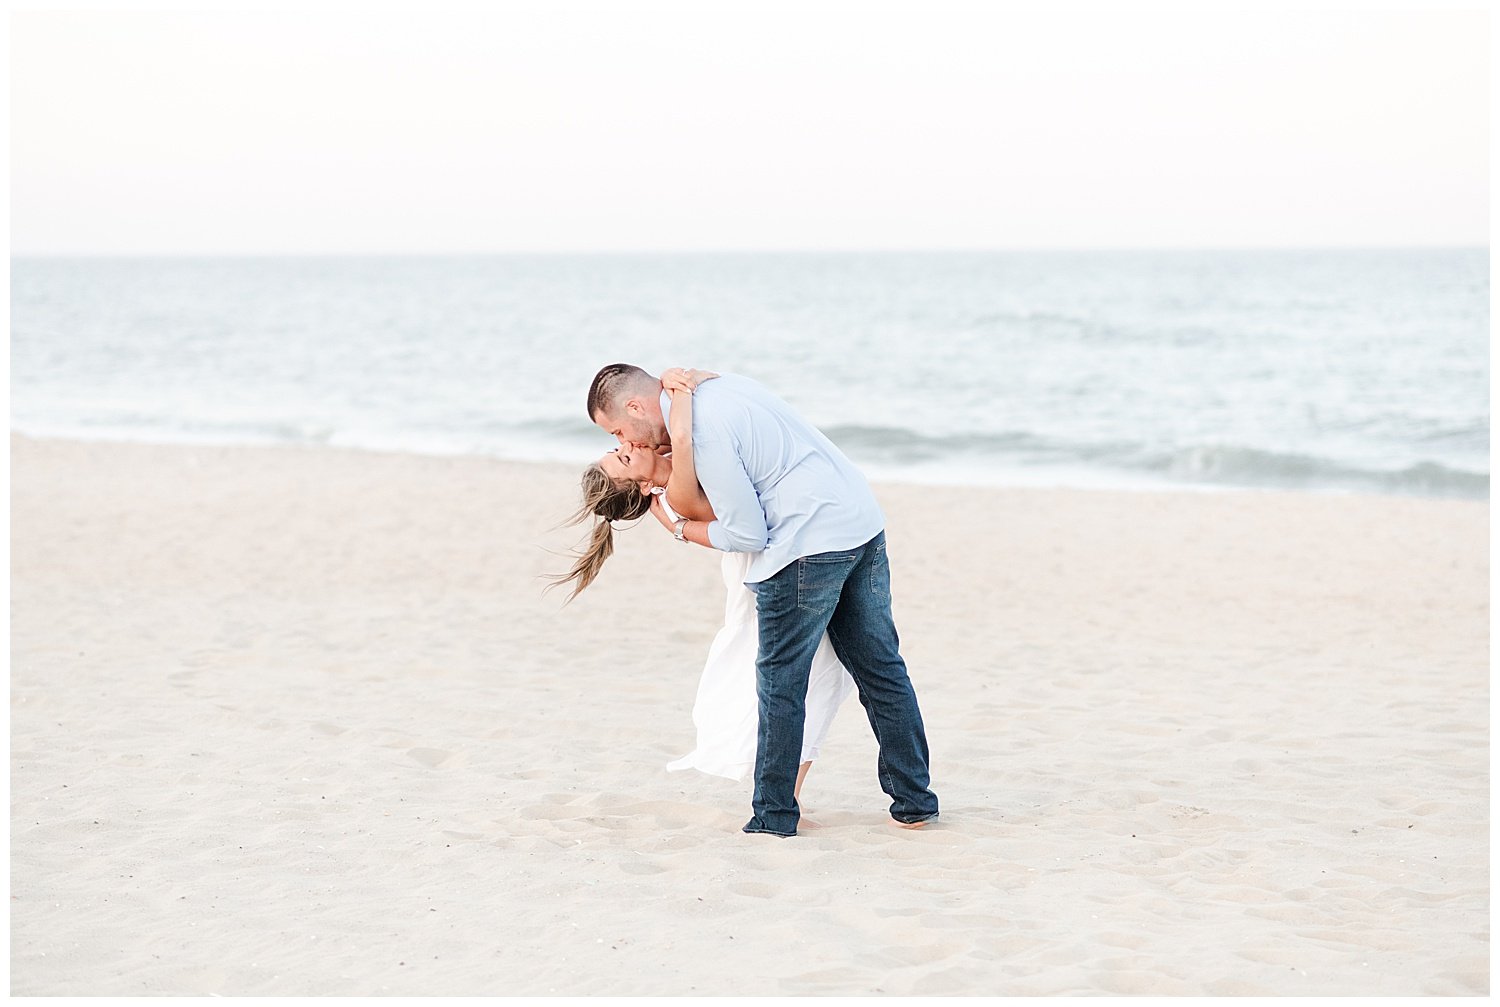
(1361, 371)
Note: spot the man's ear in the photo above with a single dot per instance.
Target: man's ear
(635, 407)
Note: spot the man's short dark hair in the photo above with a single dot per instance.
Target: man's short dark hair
(609, 383)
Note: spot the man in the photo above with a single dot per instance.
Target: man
(782, 490)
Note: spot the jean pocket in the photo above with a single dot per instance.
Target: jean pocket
(820, 580)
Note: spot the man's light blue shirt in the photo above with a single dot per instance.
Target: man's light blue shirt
(778, 487)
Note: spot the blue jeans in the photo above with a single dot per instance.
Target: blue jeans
(848, 595)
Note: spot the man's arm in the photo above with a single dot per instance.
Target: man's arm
(741, 521)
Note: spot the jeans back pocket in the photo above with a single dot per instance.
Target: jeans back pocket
(820, 580)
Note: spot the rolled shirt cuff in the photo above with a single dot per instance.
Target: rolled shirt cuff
(717, 537)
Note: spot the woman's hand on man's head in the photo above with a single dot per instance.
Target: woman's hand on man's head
(680, 379)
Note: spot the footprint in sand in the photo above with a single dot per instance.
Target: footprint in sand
(1291, 957)
(551, 812)
(913, 955)
(1116, 939)
(640, 867)
(436, 758)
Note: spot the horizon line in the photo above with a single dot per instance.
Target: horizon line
(644, 252)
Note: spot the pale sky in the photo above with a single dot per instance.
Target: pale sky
(646, 127)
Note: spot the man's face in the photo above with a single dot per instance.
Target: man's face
(633, 424)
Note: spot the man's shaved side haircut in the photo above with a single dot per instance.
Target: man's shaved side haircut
(612, 383)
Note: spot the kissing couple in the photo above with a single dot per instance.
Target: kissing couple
(723, 463)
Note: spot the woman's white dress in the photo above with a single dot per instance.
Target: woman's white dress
(726, 711)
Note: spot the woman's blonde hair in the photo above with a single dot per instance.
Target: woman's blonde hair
(607, 501)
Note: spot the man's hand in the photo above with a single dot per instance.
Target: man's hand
(678, 379)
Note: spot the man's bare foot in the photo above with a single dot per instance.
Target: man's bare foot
(808, 823)
(908, 825)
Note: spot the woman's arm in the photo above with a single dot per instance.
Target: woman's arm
(692, 531)
(683, 492)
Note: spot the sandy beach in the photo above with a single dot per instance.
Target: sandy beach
(301, 721)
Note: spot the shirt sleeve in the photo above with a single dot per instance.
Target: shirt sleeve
(741, 521)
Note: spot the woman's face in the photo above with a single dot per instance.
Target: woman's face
(632, 463)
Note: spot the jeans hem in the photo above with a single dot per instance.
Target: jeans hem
(769, 832)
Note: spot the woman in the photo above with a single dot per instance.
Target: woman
(627, 483)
